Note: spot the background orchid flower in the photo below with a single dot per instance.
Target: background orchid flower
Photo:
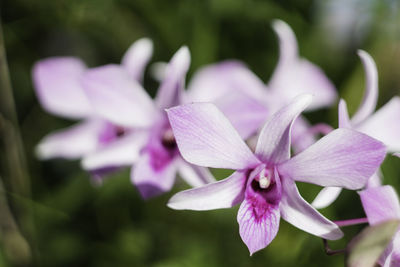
(149, 145)
(264, 181)
(383, 125)
(59, 90)
(292, 76)
(381, 204)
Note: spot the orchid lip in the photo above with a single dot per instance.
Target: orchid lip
(263, 185)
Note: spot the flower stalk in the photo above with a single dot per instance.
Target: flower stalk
(14, 175)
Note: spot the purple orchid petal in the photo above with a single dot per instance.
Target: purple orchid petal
(218, 195)
(384, 125)
(296, 211)
(117, 97)
(221, 79)
(329, 194)
(375, 180)
(206, 138)
(58, 88)
(259, 214)
(394, 252)
(326, 197)
(152, 181)
(294, 76)
(370, 99)
(273, 144)
(380, 204)
(385, 259)
(195, 176)
(136, 58)
(343, 158)
(122, 152)
(391, 256)
(258, 224)
(304, 135)
(170, 92)
(71, 143)
(245, 113)
(344, 120)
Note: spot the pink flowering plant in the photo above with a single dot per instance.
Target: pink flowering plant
(183, 132)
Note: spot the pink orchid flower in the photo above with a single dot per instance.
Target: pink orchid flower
(149, 144)
(264, 181)
(383, 124)
(381, 204)
(59, 90)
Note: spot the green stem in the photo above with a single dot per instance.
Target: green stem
(14, 174)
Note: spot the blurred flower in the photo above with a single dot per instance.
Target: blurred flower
(382, 204)
(149, 143)
(264, 182)
(292, 76)
(383, 124)
(59, 90)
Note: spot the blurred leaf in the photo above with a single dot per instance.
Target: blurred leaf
(365, 248)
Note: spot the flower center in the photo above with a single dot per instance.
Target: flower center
(264, 181)
(263, 186)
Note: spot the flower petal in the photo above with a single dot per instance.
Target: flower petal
(122, 152)
(343, 158)
(206, 138)
(294, 76)
(344, 120)
(218, 80)
(151, 182)
(273, 144)
(217, 195)
(303, 134)
(257, 230)
(384, 125)
(195, 176)
(295, 210)
(390, 257)
(375, 180)
(58, 88)
(136, 58)
(326, 197)
(370, 98)
(329, 194)
(170, 92)
(380, 204)
(117, 97)
(71, 143)
(244, 112)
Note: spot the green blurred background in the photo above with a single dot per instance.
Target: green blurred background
(68, 221)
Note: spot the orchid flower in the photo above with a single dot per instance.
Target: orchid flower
(149, 145)
(59, 90)
(264, 181)
(383, 125)
(381, 204)
(292, 76)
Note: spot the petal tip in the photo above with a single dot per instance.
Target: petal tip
(279, 25)
(362, 53)
(181, 59)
